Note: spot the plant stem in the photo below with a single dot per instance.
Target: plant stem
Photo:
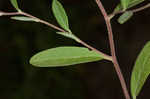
(42, 21)
(8, 13)
(141, 8)
(133, 10)
(112, 47)
(105, 56)
(88, 46)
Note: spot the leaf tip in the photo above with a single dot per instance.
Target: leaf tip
(33, 61)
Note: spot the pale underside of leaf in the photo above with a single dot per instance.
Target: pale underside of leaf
(64, 56)
(140, 71)
(125, 17)
(23, 18)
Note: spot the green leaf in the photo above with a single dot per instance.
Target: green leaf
(23, 18)
(69, 35)
(118, 8)
(125, 4)
(140, 71)
(64, 56)
(131, 4)
(125, 17)
(60, 15)
(15, 4)
(134, 3)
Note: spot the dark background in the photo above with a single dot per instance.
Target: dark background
(97, 80)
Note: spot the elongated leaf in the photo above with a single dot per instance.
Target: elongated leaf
(15, 4)
(125, 17)
(60, 15)
(23, 18)
(69, 35)
(64, 56)
(140, 71)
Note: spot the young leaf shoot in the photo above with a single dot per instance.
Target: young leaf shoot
(23, 18)
(134, 3)
(123, 5)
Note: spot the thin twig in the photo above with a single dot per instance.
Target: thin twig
(141, 8)
(112, 47)
(42, 21)
(28, 15)
(55, 27)
(133, 10)
(94, 49)
(8, 13)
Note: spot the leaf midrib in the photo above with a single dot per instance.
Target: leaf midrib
(71, 58)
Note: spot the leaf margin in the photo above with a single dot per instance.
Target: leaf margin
(134, 86)
(61, 17)
(34, 60)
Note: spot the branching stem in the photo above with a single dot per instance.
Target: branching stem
(132, 10)
(107, 18)
(141, 8)
(107, 57)
(112, 47)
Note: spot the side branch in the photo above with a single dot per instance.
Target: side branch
(141, 8)
(107, 57)
(133, 10)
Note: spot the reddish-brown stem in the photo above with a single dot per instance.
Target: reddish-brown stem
(94, 49)
(8, 13)
(42, 21)
(112, 47)
(28, 15)
(105, 56)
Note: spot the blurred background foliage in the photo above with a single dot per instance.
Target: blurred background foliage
(98, 80)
